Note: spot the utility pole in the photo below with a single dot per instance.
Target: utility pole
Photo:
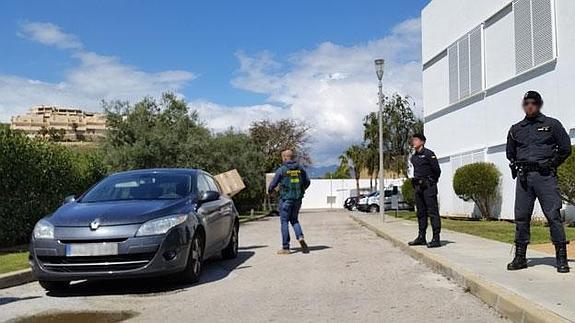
(379, 65)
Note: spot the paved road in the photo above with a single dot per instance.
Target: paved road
(351, 275)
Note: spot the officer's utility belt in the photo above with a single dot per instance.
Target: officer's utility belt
(422, 182)
(531, 167)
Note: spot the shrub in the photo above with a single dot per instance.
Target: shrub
(408, 192)
(478, 182)
(36, 176)
(566, 178)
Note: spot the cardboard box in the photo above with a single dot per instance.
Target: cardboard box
(231, 182)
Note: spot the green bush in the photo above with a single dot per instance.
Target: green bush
(566, 178)
(408, 192)
(36, 176)
(478, 182)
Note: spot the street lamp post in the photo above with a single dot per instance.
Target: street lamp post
(379, 65)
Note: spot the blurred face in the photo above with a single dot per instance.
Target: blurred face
(416, 143)
(531, 107)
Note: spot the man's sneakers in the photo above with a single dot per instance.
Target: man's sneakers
(283, 252)
(304, 247)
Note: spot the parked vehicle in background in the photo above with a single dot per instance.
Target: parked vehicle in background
(351, 202)
(136, 224)
(370, 203)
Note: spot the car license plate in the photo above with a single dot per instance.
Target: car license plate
(91, 249)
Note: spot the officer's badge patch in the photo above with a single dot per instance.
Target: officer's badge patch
(544, 129)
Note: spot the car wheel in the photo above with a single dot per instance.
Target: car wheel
(195, 260)
(374, 209)
(54, 286)
(231, 250)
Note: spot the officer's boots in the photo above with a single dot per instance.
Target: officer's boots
(561, 255)
(435, 242)
(520, 260)
(419, 241)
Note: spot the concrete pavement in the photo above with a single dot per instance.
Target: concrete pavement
(538, 293)
(351, 275)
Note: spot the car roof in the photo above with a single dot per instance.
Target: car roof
(189, 171)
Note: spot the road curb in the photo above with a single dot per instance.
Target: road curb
(511, 305)
(16, 278)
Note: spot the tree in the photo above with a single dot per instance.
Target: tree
(566, 179)
(354, 157)
(478, 182)
(399, 124)
(236, 150)
(274, 137)
(343, 171)
(155, 133)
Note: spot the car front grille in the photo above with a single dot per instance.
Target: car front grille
(96, 263)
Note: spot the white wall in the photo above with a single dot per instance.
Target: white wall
(317, 193)
(485, 123)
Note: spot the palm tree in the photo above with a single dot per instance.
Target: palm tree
(355, 158)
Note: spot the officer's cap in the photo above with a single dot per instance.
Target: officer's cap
(533, 95)
(419, 136)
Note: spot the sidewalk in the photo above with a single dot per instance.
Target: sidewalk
(536, 294)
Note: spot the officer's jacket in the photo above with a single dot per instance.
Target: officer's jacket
(540, 140)
(292, 179)
(425, 165)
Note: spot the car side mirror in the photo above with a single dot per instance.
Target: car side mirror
(69, 199)
(208, 196)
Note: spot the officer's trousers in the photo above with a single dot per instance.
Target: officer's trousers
(427, 207)
(533, 186)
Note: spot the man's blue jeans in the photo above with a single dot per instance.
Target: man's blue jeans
(289, 210)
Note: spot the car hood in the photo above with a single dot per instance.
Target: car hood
(113, 213)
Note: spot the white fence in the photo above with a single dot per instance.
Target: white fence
(331, 193)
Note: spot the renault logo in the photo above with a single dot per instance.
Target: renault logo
(95, 225)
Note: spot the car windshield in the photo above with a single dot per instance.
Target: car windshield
(138, 186)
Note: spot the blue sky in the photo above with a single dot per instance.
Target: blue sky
(234, 61)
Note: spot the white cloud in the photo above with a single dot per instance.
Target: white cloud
(332, 87)
(94, 78)
(49, 34)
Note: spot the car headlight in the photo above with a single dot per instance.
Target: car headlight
(43, 230)
(161, 225)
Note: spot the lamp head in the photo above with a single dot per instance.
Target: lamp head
(379, 65)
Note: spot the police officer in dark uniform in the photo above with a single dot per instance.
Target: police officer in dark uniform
(426, 174)
(536, 146)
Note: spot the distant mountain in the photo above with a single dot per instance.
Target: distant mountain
(319, 171)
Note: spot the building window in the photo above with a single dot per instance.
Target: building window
(534, 33)
(466, 66)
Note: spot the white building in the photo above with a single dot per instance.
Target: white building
(480, 57)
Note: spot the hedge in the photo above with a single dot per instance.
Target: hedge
(36, 176)
(478, 182)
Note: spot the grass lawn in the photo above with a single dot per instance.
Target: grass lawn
(13, 261)
(495, 230)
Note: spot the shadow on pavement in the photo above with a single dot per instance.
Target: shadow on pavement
(544, 261)
(7, 300)
(253, 247)
(312, 248)
(214, 270)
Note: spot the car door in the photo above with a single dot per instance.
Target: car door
(225, 218)
(210, 212)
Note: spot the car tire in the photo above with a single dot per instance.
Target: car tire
(231, 250)
(193, 269)
(373, 208)
(54, 286)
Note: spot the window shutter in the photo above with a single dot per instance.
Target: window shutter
(542, 31)
(463, 45)
(453, 73)
(523, 36)
(476, 61)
